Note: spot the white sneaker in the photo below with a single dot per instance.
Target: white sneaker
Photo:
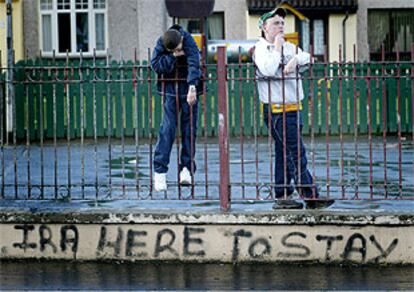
(160, 182)
(185, 176)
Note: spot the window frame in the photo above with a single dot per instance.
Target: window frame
(389, 48)
(91, 12)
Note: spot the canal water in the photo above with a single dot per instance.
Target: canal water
(61, 275)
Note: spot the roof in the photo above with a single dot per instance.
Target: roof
(310, 6)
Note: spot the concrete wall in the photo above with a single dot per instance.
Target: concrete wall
(135, 24)
(335, 36)
(235, 18)
(51, 230)
(220, 243)
(362, 21)
(31, 28)
(18, 39)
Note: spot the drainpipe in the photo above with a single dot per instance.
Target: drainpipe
(344, 35)
(10, 62)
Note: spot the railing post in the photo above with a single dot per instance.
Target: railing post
(224, 188)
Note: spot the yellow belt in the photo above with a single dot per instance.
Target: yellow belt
(278, 108)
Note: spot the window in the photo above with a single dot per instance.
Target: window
(313, 32)
(215, 25)
(393, 28)
(73, 26)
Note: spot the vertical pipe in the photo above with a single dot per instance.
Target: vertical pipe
(341, 129)
(399, 122)
(384, 119)
(109, 122)
(223, 131)
(241, 124)
(327, 122)
(95, 130)
(355, 125)
(135, 85)
(68, 121)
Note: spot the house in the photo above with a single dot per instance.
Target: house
(18, 39)
(117, 27)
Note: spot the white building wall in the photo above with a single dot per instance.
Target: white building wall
(335, 32)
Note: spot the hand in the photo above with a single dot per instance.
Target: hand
(291, 66)
(192, 96)
(279, 41)
(179, 53)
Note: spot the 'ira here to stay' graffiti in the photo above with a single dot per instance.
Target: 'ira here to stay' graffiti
(194, 242)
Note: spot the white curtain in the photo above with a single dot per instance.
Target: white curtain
(100, 31)
(47, 33)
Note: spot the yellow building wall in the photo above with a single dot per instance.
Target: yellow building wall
(18, 43)
(335, 36)
(253, 31)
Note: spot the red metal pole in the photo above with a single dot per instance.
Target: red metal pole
(204, 66)
(241, 124)
(327, 123)
(384, 119)
(412, 95)
(312, 121)
(368, 81)
(341, 130)
(150, 119)
(399, 122)
(224, 188)
(356, 98)
(285, 168)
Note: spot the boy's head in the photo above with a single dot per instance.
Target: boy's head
(266, 20)
(172, 39)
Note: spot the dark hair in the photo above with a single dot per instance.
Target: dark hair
(171, 39)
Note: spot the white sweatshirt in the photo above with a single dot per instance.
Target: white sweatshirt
(268, 62)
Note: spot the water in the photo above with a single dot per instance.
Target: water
(62, 275)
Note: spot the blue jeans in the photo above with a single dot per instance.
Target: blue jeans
(167, 132)
(305, 188)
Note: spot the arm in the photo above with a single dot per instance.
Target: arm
(267, 59)
(193, 59)
(300, 59)
(162, 61)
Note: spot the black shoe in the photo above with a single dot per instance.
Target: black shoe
(319, 203)
(287, 204)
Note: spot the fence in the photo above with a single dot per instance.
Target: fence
(46, 81)
(86, 130)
